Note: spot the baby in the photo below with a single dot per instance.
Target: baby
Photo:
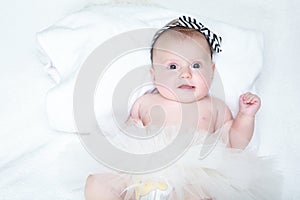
(182, 72)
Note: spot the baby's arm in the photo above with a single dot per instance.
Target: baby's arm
(137, 114)
(135, 110)
(243, 125)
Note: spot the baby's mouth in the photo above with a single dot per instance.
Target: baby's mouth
(187, 87)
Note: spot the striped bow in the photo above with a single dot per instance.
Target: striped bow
(213, 40)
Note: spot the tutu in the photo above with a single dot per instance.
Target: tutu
(218, 173)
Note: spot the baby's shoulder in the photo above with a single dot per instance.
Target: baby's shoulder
(143, 104)
(220, 107)
(215, 102)
(222, 110)
(146, 98)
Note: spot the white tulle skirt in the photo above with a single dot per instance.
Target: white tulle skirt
(223, 173)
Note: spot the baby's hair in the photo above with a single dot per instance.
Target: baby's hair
(188, 26)
(183, 30)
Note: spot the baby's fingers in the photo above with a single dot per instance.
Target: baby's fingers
(250, 98)
(245, 97)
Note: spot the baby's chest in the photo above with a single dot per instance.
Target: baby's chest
(174, 113)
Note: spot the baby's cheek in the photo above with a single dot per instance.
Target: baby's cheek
(204, 79)
(166, 91)
(166, 82)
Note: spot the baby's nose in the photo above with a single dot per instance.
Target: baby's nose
(186, 73)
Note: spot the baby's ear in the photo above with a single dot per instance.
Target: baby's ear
(152, 74)
(213, 66)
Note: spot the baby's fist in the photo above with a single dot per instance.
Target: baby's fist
(249, 104)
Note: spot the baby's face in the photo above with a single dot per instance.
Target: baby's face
(182, 67)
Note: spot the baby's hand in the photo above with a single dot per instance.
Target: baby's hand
(249, 104)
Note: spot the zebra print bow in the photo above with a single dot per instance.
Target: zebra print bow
(213, 40)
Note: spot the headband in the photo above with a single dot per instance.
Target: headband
(213, 40)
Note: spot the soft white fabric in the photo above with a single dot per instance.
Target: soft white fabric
(223, 173)
(68, 42)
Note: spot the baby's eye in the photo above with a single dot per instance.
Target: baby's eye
(196, 66)
(173, 66)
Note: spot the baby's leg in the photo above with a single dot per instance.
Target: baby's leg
(106, 186)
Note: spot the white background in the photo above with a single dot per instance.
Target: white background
(24, 129)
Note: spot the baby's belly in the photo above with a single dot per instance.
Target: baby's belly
(206, 127)
(202, 125)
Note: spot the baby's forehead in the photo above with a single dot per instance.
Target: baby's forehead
(189, 44)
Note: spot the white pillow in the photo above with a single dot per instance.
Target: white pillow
(67, 43)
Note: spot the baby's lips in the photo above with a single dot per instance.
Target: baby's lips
(188, 87)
